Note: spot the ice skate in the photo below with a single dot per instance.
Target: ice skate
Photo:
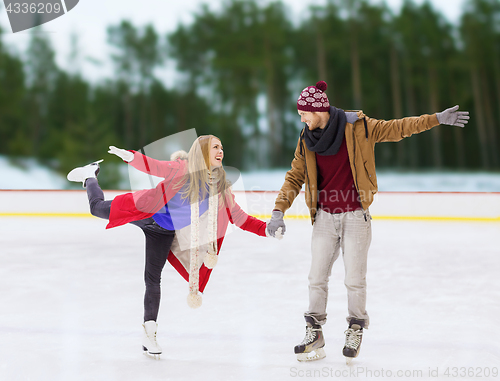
(81, 174)
(311, 348)
(149, 344)
(353, 337)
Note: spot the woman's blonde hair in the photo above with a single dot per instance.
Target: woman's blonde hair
(200, 171)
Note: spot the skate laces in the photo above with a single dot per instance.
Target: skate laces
(353, 338)
(310, 335)
(151, 335)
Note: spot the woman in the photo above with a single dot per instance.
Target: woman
(184, 218)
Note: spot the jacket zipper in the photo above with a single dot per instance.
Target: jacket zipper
(354, 163)
(305, 162)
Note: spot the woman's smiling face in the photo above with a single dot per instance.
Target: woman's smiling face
(216, 153)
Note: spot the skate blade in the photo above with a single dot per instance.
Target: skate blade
(348, 360)
(317, 354)
(155, 356)
(94, 163)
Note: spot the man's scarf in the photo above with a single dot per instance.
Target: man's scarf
(328, 140)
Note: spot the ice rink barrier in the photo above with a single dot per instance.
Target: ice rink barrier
(449, 206)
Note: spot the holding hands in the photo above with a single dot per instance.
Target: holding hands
(276, 227)
(121, 153)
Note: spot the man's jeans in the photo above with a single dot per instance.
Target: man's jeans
(351, 232)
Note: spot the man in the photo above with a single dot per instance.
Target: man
(335, 159)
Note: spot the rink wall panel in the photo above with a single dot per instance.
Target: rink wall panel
(387, 205)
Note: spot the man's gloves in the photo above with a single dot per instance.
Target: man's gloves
(276, 227)
(278, 235)
(453, 117)
(121, 153)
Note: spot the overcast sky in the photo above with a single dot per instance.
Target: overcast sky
(90, 18)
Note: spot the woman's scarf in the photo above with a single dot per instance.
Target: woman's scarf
(194, 298)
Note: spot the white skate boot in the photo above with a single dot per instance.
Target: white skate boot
(83, 173)
(149, 344)
(311, 348)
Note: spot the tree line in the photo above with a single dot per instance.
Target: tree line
(240, 70)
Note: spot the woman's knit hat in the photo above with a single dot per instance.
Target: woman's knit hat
(313, 98)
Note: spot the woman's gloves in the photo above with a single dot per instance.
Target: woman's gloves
(121, 153)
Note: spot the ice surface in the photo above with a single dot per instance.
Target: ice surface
(71, 305)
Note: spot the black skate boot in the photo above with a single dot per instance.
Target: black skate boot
(311, 347)
(353, 337)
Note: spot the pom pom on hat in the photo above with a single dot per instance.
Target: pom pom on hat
(322, 85)
(313, 98)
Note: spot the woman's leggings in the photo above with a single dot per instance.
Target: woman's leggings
(158, 242)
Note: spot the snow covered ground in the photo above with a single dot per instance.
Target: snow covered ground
(394, 181)
(71, 302)
(35, 176)
(28, 174)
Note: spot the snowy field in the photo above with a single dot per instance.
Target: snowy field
(71, 302)
(391, 181)
(28, 174)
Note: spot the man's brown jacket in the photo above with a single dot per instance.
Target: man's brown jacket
(361, 137)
